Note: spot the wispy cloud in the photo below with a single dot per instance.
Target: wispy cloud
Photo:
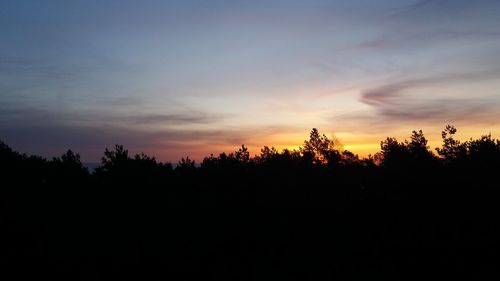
(179, 118)
(444, 110)
(387, 93)
(34, 130)
(167, 144)
(413, 100)
(429, 22)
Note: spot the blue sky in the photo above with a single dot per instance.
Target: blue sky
(176, 78)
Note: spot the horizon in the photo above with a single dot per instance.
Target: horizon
(255, 151)
(190, 78)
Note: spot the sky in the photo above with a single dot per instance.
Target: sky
(190, 78)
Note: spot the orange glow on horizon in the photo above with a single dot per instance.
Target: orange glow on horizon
(361, 144)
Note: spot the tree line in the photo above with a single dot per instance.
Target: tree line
(315, 213)
(318, 152)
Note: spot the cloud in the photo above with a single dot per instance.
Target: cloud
(387, 93)
(167, 144)
(442, 9)
(445, 110)
(15, 116)
(417, 101)
(431, 22)
(47, 133)
(179, 118)
(382, 95)
(419, 38)
(413, 114)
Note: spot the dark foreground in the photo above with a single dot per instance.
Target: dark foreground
(411, 215)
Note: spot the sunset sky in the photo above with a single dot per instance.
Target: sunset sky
(177, 78)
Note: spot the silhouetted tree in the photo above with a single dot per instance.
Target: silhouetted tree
(267, 155)
(114, 159)
(21, 168)
(210, 162)
(414, 153)
(348, 158)
(237, 159)
(118, 166)
(421, 156)
(9, 159)
(393, 153)
(242, 155)
(68, 168)
(186, 164)
(484, 152)
(319, 149)
(452, 150)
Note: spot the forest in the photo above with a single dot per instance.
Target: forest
(315, 213)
